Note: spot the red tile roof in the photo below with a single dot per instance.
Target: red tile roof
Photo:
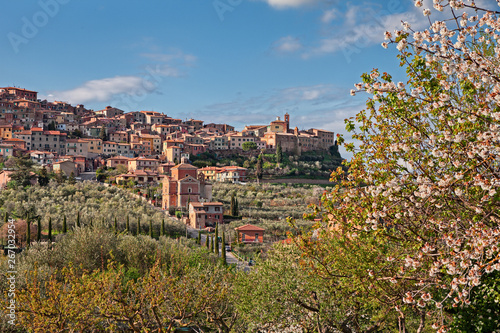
(184, 166)
(249, 227)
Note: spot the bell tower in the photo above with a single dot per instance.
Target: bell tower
(287, 121)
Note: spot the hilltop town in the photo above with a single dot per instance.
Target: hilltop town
(142, 148)
(75, 139)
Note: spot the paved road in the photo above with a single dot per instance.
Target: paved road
(87, 176)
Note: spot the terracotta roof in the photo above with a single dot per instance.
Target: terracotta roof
(13, 139)
(184, 166)
(22, 89)
(216, 203)
(231, 168)
(118, 158)
(249, 227)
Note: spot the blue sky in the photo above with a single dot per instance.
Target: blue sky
(234, 61)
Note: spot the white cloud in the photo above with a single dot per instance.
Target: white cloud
(175, 57)
(101, 90)
(281, 4)
(287, 44)
(329, 15)
(322, 106)
(112, 89)
(362, 26)
(316, 93)
(263, 108)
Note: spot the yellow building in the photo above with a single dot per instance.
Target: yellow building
(6, 131)
(95, 145)
(209, 172)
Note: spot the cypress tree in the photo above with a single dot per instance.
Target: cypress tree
(212, 244)
(78, 220)
(162, 231)
(223, 250)
(151, 234)
(50, 229)
(39, 230)
(207, 242)
(28, 232)
(279, 154)
(233, 199)
(127, 227)
(258, 168)
(236, 208)
(6, 218)
(65, 227)
(216, 245)
(138, 232)
(116, 225)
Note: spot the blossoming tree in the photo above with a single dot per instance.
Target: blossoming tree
(414, 226)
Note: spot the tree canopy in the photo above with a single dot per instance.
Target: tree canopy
(23, 169)
(249, 145)
(413, 228)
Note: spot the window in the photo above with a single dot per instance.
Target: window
(256, 237)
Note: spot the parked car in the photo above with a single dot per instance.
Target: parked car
(251, 262)
(228, 248)
(210, 229)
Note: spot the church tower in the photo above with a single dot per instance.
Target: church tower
(287, 121)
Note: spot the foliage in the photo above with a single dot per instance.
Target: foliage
(234, 205)
(281, 295)
(23, 169)
(103, 134)
(268, 205)
(133, 283)
(43, 177)
(101, 174)
(413, 228)
(72, 178)
(279, 154)
(249, 145)
(83, 203)
(258, 168)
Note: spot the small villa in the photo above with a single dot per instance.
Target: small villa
(250, 234)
